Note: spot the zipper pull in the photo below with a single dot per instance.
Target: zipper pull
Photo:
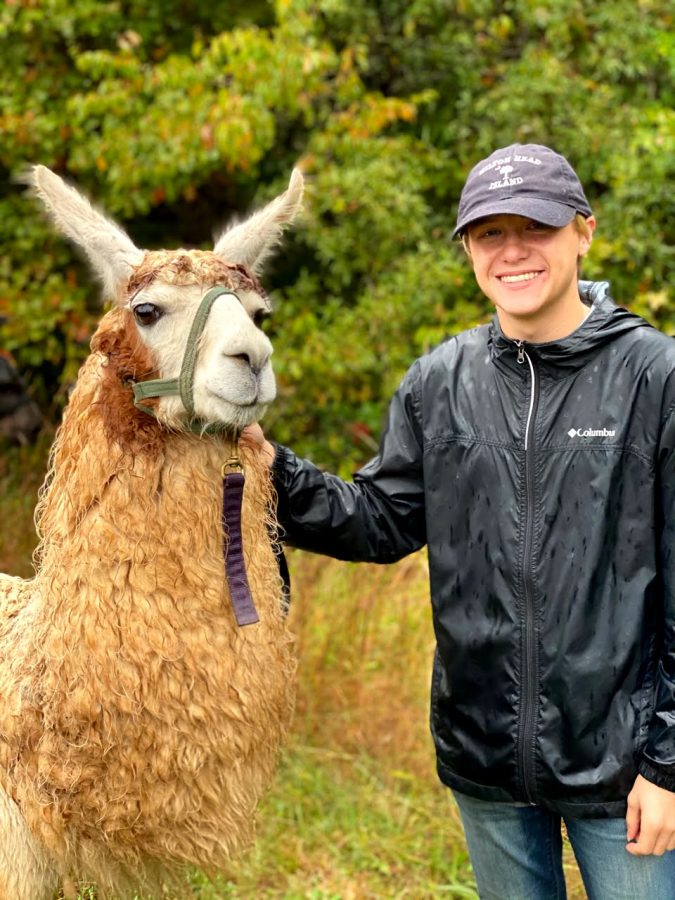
(521, 352)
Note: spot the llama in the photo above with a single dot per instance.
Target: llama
(140, 724)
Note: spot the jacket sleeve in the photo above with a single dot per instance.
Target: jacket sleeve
(379, 517)
(658, 761)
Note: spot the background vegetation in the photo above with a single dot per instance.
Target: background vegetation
(176, 116)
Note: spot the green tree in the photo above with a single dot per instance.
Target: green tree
(175, 116)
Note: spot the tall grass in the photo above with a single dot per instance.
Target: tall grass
(22, 470)
(356, 810)
(356, 805)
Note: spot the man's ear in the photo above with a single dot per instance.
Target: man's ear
(587, 239)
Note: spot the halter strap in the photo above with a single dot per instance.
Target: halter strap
(183, 385)
(243, 604)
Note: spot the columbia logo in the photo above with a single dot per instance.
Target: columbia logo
(590, 432)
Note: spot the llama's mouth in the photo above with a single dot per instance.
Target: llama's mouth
(245, 391)
(237, 411)
(237, 404)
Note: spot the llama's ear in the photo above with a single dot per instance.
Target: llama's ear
(112, 254)
(252, 241)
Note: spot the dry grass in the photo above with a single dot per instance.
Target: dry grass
(366, 647)
(22, 470)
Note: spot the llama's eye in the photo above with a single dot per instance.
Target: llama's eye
(147, 313)
(259, 317)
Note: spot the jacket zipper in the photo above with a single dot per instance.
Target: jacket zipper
(529, 682)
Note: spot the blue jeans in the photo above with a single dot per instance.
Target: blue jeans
(516, 854)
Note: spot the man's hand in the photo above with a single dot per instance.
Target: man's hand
(650, 821)
(253, 434)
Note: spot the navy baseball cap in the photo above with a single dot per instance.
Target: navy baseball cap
(522, 180)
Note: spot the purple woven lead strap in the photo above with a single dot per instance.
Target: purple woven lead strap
(233, 550)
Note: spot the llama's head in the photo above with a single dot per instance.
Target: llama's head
(161, 292)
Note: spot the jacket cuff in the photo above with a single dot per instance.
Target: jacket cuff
(283, 458)
(663, 777)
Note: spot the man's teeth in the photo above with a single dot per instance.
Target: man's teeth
(526, 276)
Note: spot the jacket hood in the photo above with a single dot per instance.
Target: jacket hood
(604, 324)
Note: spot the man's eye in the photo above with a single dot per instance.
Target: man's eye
(147, 313)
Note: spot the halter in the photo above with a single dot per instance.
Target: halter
(232, 471)
(183, 385)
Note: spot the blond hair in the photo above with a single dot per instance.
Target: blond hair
(582, 226)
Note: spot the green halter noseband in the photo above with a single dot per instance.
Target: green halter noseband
(183, 385)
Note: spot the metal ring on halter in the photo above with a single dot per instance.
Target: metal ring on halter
(233, 464)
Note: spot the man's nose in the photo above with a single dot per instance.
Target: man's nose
(514, 247)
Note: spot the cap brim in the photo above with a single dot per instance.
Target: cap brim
(546, 211)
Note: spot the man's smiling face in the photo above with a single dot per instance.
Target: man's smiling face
(529, 271)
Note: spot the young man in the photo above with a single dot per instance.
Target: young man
(535, 458)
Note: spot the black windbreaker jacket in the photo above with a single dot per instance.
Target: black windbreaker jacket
(542, 479)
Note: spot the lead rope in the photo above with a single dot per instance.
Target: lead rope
(233, 549)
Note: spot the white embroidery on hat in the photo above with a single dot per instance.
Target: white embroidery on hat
(505, 170)
(506, 180)
(531, 159)
(494, 164)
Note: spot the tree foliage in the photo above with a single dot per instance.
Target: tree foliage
(175, 116)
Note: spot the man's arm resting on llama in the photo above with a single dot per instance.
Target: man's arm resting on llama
(379, 517)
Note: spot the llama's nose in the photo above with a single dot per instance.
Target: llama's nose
(245, 358)
(255, 362)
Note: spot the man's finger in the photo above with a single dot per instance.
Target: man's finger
(632, 821)
(661, 844)
(645, 843)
